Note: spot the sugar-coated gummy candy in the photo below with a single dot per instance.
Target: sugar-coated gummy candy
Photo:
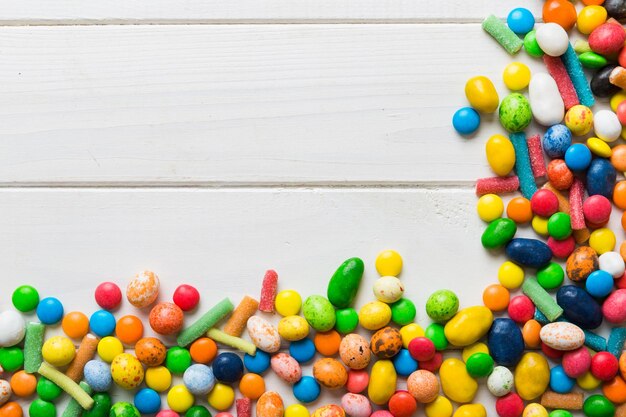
(147, 401)
(578, 77)
(558, 72)
(25, 298)
(237, 322)
(268, 291)
(206, 321)
(502, 34)
(466, 120)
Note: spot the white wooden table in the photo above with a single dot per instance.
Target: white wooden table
(209, 141)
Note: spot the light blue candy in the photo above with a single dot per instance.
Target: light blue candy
(257, 363)
(97, 375)
(50, 310)
(306, 390)
(302, 350)
(199, 379)
(578, 157)
(466, 120)
(403, 362)
(577, 75)
(102, 323)
(559, 381)
(524, 171)
(147, 401)
(520, 20)
(617, 338)
(599, 283)
(556, 140)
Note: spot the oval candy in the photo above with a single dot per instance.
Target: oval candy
(456, 383)
(286, 367)
(482, 94)
(545, 100)
(562, 336)
(498, 233)
(529, 252)
(532, 376)
(500, 155)
(383, 379)
(515, 113)
(270, 404)
(506, 344)
(263, 334)
(579, 307)
(319, 312)
(344, 284)
(468, 325)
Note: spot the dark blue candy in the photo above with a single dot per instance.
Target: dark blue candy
(529, 252)
(556, 140)
(601, 178)
(506, 344)
(228, 367)
(579, 307)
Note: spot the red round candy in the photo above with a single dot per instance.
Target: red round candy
(186, 297)
(521, 309)
(544, 203)
(620, 282)
(167, 413)
(166, 318)
(422, 349)
(562, 248)
(607, 38)
(108, 295)
(511, 405)
(402, 404)
(381, 413)
(621, 111)
(550, 352)
(224, 414)
(559, 175)
(434, 364)
(576, 362)
(597, 209)
(621, 58)
(604, 366)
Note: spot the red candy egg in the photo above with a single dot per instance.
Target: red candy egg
(607, 38)
(422, 349)
(186, 297)
(511, 405)
(604, 366)
(562, 248)
(597, 209)
(521, 309)
(166, 318)
(381, 413)
(544, 203)
(108, 295)
(357, 381)
(402, 404)
(576, 362)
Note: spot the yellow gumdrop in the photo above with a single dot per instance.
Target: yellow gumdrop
(599, 147)
(293, 328)
(477, 347)
(456, 383)
(500, 154)
(510, 275)
(296, 410)
(288, 302)
(589, 18)
(540, 225)
(579, 119)
(588, 382)
(535, 410)
(441, 407)
(471, 410)
(374, 315)
(179, 399)
(389, 263)
(468, 325)
(158, 378)
(602, 240)
(221, 397)
(58, 351)
(482, 94)
(383, 380)
(410, 332)
(616, 99)
(489, 207)
(516, 76)
(532, 376)
(109, 347)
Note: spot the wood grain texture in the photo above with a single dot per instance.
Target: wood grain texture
(242, 104)
(250, 11)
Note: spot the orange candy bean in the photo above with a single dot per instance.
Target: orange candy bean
(11, 409)
(615, 390)
(496, 297)
(23, 384)
(618, 158)
(203, 350)
(129, 329)
(619, 195)
(593, 2)
(624, 221)
(252, 386)
(561, 12)
(530, 333)
(327, 343)
(519, 210)
(75, 325)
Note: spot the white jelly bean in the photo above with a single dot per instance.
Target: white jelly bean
(388, 289)
(552, 39)
(606, 125)
(545, 100)
(613, 263)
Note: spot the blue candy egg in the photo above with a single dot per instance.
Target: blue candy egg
(559, 381)
(257, 363)
(579, 307)
(466, 120)
(556, 140)
(199, 379)
(102, 323)
(302, 350)
(578, 157)
(599, 283)
(506, 344)
(227, 367)
(147, 401)
(403, 362)
(601, 177)
(97, 375)
(529, 252)
(520, 20)
(306, 390)
(50, 310)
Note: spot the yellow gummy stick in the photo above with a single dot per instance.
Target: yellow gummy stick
(232, 341)
(67, 385)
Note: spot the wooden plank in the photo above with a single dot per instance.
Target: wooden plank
(250, 11)
(231, 104)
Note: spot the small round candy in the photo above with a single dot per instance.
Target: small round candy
(613, 263)
(347, 319)
(531, 45)
(588, 382)
(98, 375)
(466, 121)
(531, 334)
(520, 20)
(403, 363)
(578, 157)
(521, 309)
(621, 114)
(147, 401)
(143, 290)
(510, 405)
(48, 390)
(442, 305)
(306, 390)
(158, 378)
(228, 367)
(13, 328)
(434, 364)
(604, 366)
(389, 263)
(50, 310)
(579, 120)
(41, 408)
(288, 303)
(166, 318)
(252, 386)
(598, 406)
(402, 404)
(597, 209)
(198, 411)
(129, 329)
(170, 413)
(500, 382)
(388, 289)
(11, 409)
(150, 351)
(519, 210)
(560, 226)
(496, 297)
(510, 275)
(221, 397)
(109, 347)
(544, 203)
(562, 248)
(540, 225)
(599, 283)
(606, 125)
(489, 207)
(602, 240)
(589, 18)
(403, 311)
(327, 343)
(261, 360)
(124, 409)
(599, 147)
(58, 351)
(177, 360)
(296, 410)
(108, 295)
(436, 333)
(179, 398)
(516, 76)
(75, 325)
(186, 297)
(479, 365)
(559, 174)
(618, 157)
(199, 379)
(410, 332)
(441, 407)
(559, 381)
(556, 140)
(25, 298)
(203, 350)
(102, 323)
(550, 276)
(127, 371)
(11, 358)
(23, 384)
(301, 350)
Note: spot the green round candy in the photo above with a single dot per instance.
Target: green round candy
(41, 408)
(11, 358)
(347, 319)
(198, 411)
(498, 233)
(550, 276)
(442, 305)
(435, 333)
(592, 60)
(531, 46)
(403, 312)
(25, 298)
(560, 413)
(479, 365)
(101, 406)
(598, 406)
(124, 409)
(560, 226)
(177, 360)
(515, 113)
(319, 313)
(48, 390)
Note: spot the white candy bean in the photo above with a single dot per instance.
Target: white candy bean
(613, 263)
(607, 125)
(545, 100)
(12, 328)
(552, 39)
(263, 334)
(500, 382)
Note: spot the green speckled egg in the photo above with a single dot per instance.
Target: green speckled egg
(442, 305)
(319, 312)
(515, 113)
(124, 409)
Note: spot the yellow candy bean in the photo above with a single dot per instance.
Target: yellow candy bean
(468, 325)
(602, 240)
(500, 154)
(109, 347)
(456, 383)
(588, 382)
(540, 225)
(535, 410)
(599, 147)
(441, 407)
(374, 315)
(516, 76)
(471, 410)
(589, 18)
(221, 397)
(410, 332)
(288, 303)
(293, 328)
(489, 207)
(482, 94)
(296, 410)
(389, 263)
(510, 275)
(532, 376)
(179, 399)
(158, 378)
(477, 347)
(383, 380)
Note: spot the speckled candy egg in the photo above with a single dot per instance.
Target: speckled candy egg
(356, 405)
(388, 289)
(199, 379)
(270, 404)
(500, 382)
(124, 409)
(423, 386)
(319, 313)
(5, 391)
(330, 410)
(515, 113)
(293, 328)
(442, 305)
(166, 318)
(98, 375)
(263, 334)
(143, 289)
(330, 373)
(150, 351)
(386, 342)
(354, 351)
(127, 371)
(286, 367)
(562, 336)
(582, 262)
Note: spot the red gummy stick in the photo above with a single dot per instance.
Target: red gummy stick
(558, 71)
(576, 205)
(497, 185)
(244, 407)
(536, 156)
(268, 291)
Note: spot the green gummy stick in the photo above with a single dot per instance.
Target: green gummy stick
(540, 297)
(74, 409)
(501, 33)
(33, 343)
(204, 323)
